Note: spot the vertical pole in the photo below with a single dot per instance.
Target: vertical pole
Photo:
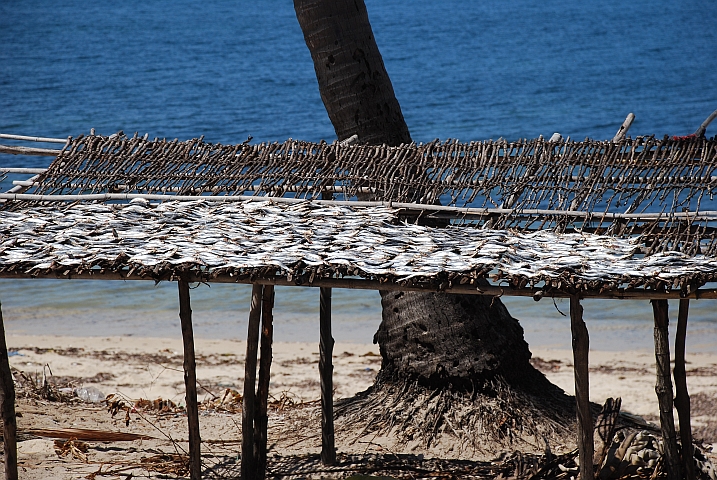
(326, 369)
(248, 467)
(7, 397)
(190, 381)
(663, 388)
(682, 398)
(261, 421)
(581, 346)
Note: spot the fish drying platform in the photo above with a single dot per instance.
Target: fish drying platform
(627, 218)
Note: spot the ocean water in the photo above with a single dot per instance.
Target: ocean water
(228, 70)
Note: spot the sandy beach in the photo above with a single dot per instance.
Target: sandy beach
(136, 368)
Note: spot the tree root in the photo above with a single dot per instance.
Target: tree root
(485, 422)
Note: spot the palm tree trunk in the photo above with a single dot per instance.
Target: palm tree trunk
(450, 363)
(432, 337)
(353, 82)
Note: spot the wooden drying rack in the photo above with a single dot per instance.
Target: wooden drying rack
(260, 334)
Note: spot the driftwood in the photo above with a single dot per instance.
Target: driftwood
(41, 152)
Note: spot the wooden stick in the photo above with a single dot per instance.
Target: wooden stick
(42, 152)
(248, 467)
(190, 381)
(682, 398)
(663, 388)
(22, 170)
(33, 139)
(7, 408)
(622, 131)
(261, 420)
(19, 189)
(581, 346)
(326, 369)
(361, 284)
(703, 128)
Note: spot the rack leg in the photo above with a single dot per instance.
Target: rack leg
(326, 369)
(581, 346)
(190, 381)
(682, 398)
(7, 407)
(248, 467)
(663, 388)
(261, 420)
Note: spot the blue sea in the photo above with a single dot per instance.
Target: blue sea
(228, 70)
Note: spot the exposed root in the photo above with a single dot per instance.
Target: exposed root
(482, 423)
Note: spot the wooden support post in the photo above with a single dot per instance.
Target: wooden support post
(326, 369)
(7, 406)
(261, 421)
(190, 381)
(663, 388)
(581, 346)
(682, 398)
(248, 467)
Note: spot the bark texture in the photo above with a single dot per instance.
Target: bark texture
(353, 82)
(458, 339)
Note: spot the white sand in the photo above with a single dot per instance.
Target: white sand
(152, 367)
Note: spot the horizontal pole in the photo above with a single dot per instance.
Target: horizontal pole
(630, 179)
(46, 152)
(22, 170)
(408, 208)
(362, 284)
(17, 189)
(33, 139)
(214, 189)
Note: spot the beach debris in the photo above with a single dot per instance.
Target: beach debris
(88, 435)
(171, 465)
(631, 453)
(533, 467)
(167, 464)
(231, 402)
(158, 405)
(117, 403)
(605, 427)
(38, 386)
(285, 401)
(704, 466)
(89, 394)
(72, 447)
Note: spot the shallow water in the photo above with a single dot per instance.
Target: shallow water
(467, 70)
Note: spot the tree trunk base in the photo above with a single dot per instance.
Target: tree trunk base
(484, 423)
